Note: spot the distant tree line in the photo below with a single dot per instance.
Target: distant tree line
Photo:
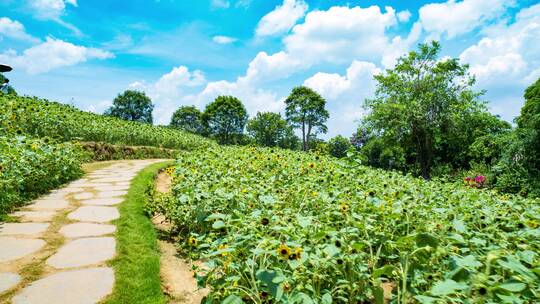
(425, 118)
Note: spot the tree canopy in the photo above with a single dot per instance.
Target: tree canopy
(270, 130)
(305, 109)
(424, 108)
(225, 119)
(132, 105)
(187, 118)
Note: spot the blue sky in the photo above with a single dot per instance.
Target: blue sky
(85, 52)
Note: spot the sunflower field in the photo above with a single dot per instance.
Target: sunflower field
(275, 226)
(40, 118)
(29, 167)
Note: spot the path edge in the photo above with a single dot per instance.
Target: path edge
(136, 265)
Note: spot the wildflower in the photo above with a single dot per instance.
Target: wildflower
(284, 251)
(192, 241)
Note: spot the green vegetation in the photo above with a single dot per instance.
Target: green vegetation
(187, 118)
(132, 106)
(305, 109)
(137, 262)
(338, 146)
(41, 118)
(225, 119)
(271, 130)
(293, 227)
(425, 114)
(104, 151)
(29, 167)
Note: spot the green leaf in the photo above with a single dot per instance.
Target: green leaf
(426, 299)
(459, 225)
(513, 286)
(326, 298)
(443, 288)
(218, 225)
(426, 239)
(467, 261)
(378, 293)
(303, 221)
(233, 299)
(385, 270)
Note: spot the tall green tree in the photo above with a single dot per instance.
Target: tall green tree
(132, 105)
(270, 130)
(305, 109)
(420, 102)
(225, 119)
(187, 118)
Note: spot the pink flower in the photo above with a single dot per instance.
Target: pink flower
(480, 179)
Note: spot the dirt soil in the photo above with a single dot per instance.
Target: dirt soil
(177, 277)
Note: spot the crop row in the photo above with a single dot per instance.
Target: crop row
(288, 227)
(29, 167)
(40, 118)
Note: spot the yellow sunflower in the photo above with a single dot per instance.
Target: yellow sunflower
(284, 251)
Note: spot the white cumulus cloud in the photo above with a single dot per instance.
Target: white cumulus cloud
(15, 30)
(52, 54)
(171, 91)
(282, 18)
(345, 94)
(453, 18)
(220, 4)
(507, 60)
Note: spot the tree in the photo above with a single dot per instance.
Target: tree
(338, 146)
(6, 88)
(187, 118)
(270, 130)
(132, 105)
(305, 110)
(420, 102)
(225, 119)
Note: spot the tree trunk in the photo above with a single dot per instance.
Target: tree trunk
(304, 141)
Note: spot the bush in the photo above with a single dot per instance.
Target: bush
(30, 167)
(338, 146)
(105, 151)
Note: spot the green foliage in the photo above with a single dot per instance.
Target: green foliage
(30, 167)
(424, 106)
(287, 227)
(187, 118)
(104, 151)
(270, 130)
(338, 146)
(225, 119)
(305, 109)
(133, 106)
(5, 88)
(41, 118)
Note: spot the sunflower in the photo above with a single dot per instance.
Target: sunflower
(265, 221)
(312, 165)
(531, 223)
(284, 251)
(192, 241)
(344, 208)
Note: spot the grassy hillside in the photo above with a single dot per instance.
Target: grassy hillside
(41, 118)
(39, 149)
(281, 226)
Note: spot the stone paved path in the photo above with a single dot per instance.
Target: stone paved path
(66, 238)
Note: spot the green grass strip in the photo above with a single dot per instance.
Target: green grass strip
(136, 266)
